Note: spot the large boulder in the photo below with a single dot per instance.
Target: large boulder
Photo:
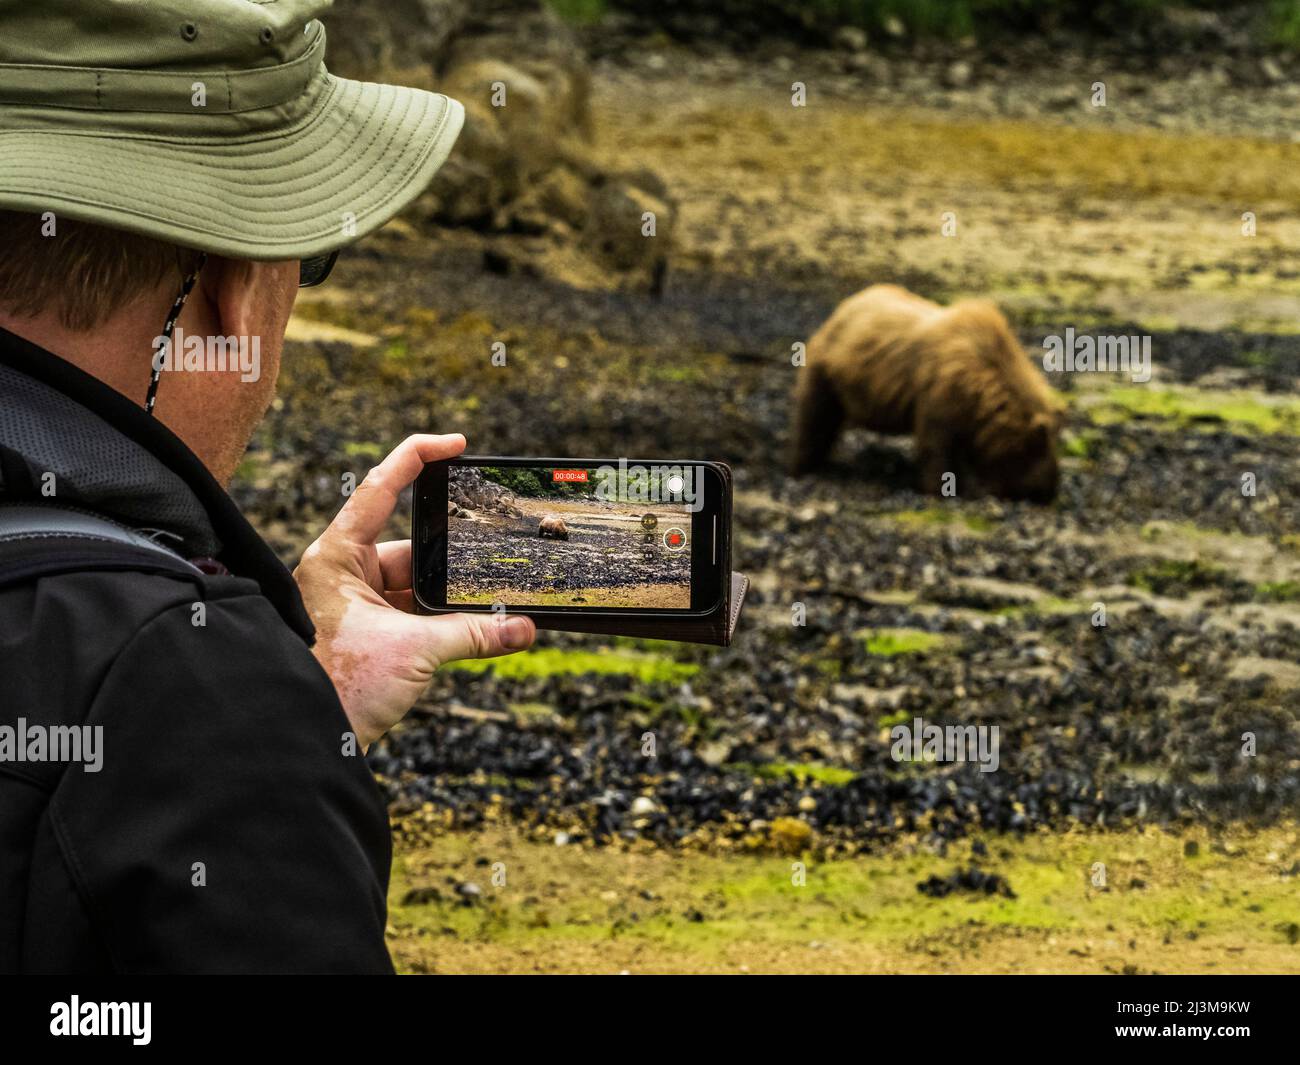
(523, 164)
(471, 491)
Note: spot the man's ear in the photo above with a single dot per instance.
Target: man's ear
(231, 285)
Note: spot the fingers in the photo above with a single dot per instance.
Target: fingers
(368, 509)
(458, 636)
(403, 600)
(395, 564)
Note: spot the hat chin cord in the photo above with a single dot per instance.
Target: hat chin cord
(151, 397)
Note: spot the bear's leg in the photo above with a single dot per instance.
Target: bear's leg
(817, 419)
(935, 454)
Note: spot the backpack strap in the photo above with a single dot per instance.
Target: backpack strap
(40, 540)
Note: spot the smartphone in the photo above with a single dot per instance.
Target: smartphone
(566, 536)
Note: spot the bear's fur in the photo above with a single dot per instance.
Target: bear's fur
(553, 527)
(955, 377)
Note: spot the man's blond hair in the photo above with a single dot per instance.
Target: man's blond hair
(79, 271)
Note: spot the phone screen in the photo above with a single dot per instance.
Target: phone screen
(572, 535)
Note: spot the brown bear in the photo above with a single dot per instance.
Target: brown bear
(553, 527)
(955, 377)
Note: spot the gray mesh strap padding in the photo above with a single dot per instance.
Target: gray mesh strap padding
(95, 467)
(26, 522)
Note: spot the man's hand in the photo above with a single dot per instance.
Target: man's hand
(380, 655)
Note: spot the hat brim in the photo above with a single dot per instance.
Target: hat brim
(361, 154)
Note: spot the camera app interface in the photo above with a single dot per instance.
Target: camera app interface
(541, 536)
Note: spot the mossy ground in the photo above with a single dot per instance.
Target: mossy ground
(1182, 409)
(1171, 904)
(938, 517)
(1154, 231)
(889, 642)
(644, 667)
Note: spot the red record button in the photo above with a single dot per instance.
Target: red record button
(674, 539)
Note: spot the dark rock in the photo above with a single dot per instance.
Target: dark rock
(972, 880)
(421, 896)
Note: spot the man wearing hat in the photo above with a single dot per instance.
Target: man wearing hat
(183, 723)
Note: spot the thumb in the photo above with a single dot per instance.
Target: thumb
(457, 636)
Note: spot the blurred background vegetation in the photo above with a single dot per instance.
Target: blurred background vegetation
(1278, 20)
(535, 481)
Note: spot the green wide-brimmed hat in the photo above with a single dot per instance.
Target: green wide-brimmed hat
(212, 124)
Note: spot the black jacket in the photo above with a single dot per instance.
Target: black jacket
(222, 743)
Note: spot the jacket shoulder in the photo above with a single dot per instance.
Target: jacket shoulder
(61, 634)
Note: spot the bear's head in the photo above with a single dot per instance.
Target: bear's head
(1024, 465)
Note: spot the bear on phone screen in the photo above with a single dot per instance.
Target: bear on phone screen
(553, 527)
